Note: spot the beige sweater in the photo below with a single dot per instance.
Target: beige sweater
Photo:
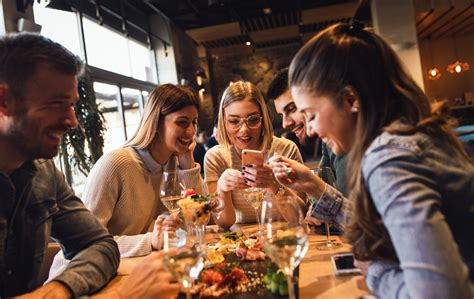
(219, 158)
(123, 192)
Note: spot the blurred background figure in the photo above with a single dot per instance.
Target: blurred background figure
(200, 149)
(211, 141)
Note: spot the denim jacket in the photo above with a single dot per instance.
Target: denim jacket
(36, 203)
(424, 193)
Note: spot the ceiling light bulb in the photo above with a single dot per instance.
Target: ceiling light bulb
(248, 43)
(458, 67)
(434, 74)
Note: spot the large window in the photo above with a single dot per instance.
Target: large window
(132, 100)
(123, 69)
(108, 99)
(67, 33)
(114, 52)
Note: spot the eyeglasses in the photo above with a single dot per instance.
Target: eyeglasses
(252, 121)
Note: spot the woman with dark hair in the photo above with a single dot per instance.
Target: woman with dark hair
(123, 187)
(411, 182)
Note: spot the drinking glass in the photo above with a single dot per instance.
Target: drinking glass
(196, 214)
(183, 258)
(254, 197)
(327, 175)
(170, 191)
(284, 234)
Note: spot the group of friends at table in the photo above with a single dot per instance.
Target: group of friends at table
(404, 196)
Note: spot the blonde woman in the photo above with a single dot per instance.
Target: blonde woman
(123, 188)
(243, 123)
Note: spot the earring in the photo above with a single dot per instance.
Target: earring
(354, 109)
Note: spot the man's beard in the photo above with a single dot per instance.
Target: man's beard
(28, 148)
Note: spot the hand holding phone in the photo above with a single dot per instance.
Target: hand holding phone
(252, 157)
(343, 264)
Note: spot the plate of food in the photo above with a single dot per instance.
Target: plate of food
(237, 267)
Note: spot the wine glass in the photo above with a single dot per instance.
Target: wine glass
(285, 235)
(254, 197)
(170, 191)
(182, 257)
(327, 175)
(196, 213)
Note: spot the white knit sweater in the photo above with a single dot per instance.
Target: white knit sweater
(123, 192)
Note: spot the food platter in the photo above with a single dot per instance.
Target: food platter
(241, 272)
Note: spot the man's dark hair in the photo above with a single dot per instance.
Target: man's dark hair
(278, 85)
(22, 53)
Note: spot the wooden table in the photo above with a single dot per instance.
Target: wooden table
(317, 278)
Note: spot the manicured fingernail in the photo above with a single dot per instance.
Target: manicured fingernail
(249, 165)
(243, 168)
(242, 173)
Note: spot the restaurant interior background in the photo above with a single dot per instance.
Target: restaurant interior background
(130, 46)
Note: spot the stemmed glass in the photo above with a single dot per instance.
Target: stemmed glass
(327, 175)
(196, 213)
(285, 235)
(170, 191)
(182, 257)
(254, 197)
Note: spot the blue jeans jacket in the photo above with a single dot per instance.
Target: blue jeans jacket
(424, 193)
(36, 204)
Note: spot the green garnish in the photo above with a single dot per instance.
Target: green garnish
(233, 236)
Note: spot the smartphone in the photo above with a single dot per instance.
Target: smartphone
(343, 264)
(252, 157)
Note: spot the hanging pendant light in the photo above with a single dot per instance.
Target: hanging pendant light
(458, 66)
(433, 72)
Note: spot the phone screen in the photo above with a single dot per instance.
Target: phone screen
(344, 262)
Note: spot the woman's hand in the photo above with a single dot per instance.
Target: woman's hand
(149, 280)
(259, 176)
(296, 176)
(363, 266)
(161, 221)
(186, 158)
(231, 179)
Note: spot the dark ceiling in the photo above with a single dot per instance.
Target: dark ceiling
(221, 23)
(192, 14)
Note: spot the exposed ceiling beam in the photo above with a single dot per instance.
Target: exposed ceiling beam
(320, 14)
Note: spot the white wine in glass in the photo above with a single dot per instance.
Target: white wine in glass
(254, 196)
(170, 191)
(285, 237)
(183, 258)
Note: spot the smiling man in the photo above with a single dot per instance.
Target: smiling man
(294, 120)
(38, 90)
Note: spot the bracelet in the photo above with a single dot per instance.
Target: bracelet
(280, 191)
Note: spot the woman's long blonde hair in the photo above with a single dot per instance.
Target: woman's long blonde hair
(239, 91)
(347, 55)
(163, 100)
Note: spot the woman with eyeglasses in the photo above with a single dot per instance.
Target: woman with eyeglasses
(243, 123)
